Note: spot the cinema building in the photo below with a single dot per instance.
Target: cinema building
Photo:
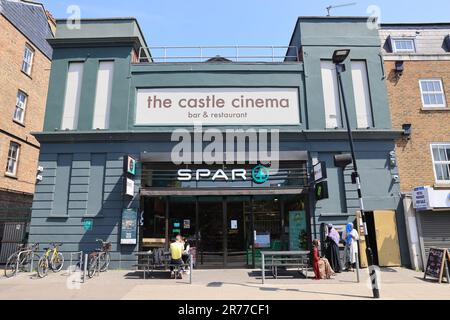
(108, 149)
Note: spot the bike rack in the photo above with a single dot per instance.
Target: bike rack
(29, 251)
(79, 259)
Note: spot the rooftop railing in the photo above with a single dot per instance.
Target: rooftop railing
(236, 54)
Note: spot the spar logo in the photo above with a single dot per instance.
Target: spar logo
(260, 174)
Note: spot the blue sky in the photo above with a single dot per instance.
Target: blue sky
(240, 22)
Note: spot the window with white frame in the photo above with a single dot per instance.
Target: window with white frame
(432, 92)
(21, 103)
(403, 45)
(13, 158)
(27, 63)
(441, 161)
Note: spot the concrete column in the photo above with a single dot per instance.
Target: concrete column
(412, 233)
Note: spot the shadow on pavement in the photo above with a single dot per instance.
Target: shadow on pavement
(431, 280)
(282, 274)
(157, 274)
(275, 289)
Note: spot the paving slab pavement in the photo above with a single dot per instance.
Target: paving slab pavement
(231, 284)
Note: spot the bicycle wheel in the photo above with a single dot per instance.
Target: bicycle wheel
(11, 265)
(43, 267)
(92, 266)
(57, 262)
(105, 259)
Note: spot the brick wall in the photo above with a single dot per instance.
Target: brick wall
(12, 44)
(15, 206)
(428, 126)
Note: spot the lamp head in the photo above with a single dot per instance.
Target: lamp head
(339, 56)
(399, 67)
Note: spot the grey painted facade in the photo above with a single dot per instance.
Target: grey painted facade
(85, 165)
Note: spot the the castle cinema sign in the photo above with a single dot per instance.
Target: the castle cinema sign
(217, 106)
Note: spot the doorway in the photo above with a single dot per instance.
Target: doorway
(223, 232)
(210, 237)
(382, 227)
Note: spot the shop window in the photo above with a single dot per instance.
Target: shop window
(21, 102)
(361, 91)
(27, 62)
(154, 219)
(103, 95)
(72, 96)
(441, 162)
(13, 159)
(432, 93)
(331, 95)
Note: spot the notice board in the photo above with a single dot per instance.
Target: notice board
(128, 234)
(437, 264)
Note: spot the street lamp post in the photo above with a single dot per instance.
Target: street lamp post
(339, 57)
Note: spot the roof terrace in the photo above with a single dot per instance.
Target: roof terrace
(219, 54)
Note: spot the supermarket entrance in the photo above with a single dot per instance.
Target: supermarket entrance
(226, 231)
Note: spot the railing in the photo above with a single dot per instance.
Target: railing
(268, 53)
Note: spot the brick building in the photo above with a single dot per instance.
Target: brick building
(24, 74)
(417, 67)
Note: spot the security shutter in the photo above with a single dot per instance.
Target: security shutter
(435, 230)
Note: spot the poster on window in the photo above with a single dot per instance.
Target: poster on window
(262, 241)
(298, 236)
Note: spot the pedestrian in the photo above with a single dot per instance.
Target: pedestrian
(350, 236)
(321, 266)
(186, 255)
(332, 251)
(176, 254)
(316, 259)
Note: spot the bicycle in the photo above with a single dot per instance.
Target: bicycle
(99, 259)
(19, 259)
(52, 259)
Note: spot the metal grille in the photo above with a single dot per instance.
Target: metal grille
(435, 230)
(13, 235)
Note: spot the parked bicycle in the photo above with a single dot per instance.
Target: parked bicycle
(99, 259)
(20, 259)
(52, 259)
